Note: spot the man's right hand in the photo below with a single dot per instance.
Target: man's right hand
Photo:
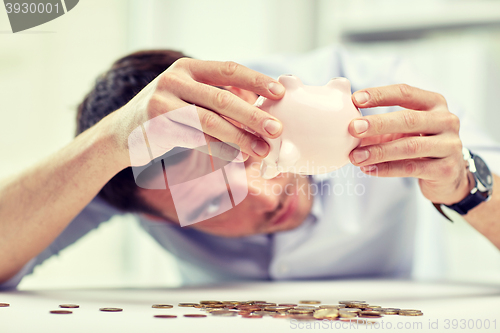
(189, 81)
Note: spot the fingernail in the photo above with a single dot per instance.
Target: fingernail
(260, 147)
(242, 157)
(276, 88)
(360, 126)
(360, 155)
(272, 126)
(362, 97)
(368, 168)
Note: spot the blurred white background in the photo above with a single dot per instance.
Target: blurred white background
(45, 72)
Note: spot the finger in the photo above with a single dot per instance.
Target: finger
(376, 139)
(404, 121)
(231, 106)
(398, 94)
(406, 148)
(219, 128)
(427, 169)
(229, 73)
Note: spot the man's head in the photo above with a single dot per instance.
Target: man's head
(271, 205)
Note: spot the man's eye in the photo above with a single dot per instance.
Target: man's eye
(213, 206)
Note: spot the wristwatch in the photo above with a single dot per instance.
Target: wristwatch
(481, 191)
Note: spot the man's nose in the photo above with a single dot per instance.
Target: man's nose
(265, 195)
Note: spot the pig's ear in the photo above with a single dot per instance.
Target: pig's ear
(290, 82)
(340, 83)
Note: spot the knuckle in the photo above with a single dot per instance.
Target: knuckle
(169, 79)
(453, 122)
(155, 105)
(446, 169)
(255, 117)
(405, 90)
(376, 96)
(413, 146)
(258, 82)
(410, 168)
(377, 153)
(441, 99)
(411, 119)
(241, 139)
(456, 145)
(181, 63)
(210, 122)
(377, 125)
(222, 100)
(228, 68)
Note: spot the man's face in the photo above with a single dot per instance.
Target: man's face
(271, 205)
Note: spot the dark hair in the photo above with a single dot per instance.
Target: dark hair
(112, 90)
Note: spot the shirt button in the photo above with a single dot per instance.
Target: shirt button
(283, 268)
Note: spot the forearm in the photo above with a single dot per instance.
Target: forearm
(38, 204)
(485, 218)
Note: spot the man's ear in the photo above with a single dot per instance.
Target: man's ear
(245, 95)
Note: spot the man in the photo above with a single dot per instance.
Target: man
(270, 235)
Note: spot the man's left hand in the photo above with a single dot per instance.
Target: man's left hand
(420, 141)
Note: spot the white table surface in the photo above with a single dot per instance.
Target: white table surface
(470, 304)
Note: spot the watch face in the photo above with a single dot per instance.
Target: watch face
(483, 173)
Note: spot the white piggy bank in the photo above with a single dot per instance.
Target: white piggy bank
(315, 139)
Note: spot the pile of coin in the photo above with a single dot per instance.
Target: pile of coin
(304, 310)
(345, 310)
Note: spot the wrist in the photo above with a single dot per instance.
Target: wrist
(110, 143)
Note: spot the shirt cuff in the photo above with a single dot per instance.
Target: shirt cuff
(14, 281)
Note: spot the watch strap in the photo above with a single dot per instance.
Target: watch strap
(470, 201)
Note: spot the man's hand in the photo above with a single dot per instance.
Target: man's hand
(222, 114)
(421, 141)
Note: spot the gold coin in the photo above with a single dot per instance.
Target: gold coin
(4, 305)
(253, 302)
(410, 313)
(309, 302)
(162, 306)
(111, 309)
(215, 306)
(353, 310)
(300, 311)
(409, 310)
(61, 312)
(370, 312)
(374, 306)
(224, 313)
(195, 315)
(326, 313)
(277, 308)
(346, 302)
(210, 302)
(251, 316)
(187, 305)
(165, 316)
(287, 304)
(344, 314)
(389, 311)
(338, 306)
(357, 305)
(303, 317)
(69, 306)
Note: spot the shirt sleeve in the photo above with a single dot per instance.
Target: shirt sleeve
(96, 212)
